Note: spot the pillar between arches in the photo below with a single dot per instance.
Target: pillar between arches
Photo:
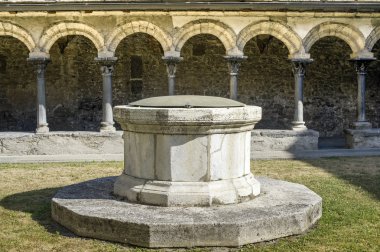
(361, 65)
(299, 69)
(234, 62)
(40, 65)
(106, 68)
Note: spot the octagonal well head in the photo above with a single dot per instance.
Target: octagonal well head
(186, 115)
(173, 142)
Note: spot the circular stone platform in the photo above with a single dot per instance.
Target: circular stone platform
(282, 209)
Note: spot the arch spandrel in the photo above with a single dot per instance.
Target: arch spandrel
(9, 29)
(123, 31)
(220, 30)
(52, 34)
(373, 38)
(280, 31)
(351, 35)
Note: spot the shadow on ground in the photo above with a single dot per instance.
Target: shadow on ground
(354, 171)
(363, 173)
(37, 203)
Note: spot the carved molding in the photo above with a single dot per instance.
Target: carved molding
(171, 65)
(234, 63)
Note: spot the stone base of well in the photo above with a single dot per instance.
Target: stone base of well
(282, 209)
(284, 140)
(362, 138)
(177, 193)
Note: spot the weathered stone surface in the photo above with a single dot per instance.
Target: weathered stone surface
(196, 121)
(54, 143)
(178, 156)
(89, 209)
(280, 140)
(187, 193)
(362, 138)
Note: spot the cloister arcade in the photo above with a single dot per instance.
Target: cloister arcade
(268, 63)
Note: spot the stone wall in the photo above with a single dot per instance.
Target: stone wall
(74, 89)
(17, 87)
(140, 71)
(330, 88)
(266, 80)
(73, 86)
(373, 89)
(203, 70)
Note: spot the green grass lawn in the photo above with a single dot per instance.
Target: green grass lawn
(350, 188)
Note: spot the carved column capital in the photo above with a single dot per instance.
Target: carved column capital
(40, 64)
(361, 65)
(106, 65)
(171, 64)
(299, 66)
(234, 63)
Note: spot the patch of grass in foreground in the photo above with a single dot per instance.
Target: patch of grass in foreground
(350, 188)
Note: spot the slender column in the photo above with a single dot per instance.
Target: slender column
(299, 68)
(234, 63)
(171, 68)
(40, 65)
(361, 70)
(107, 69)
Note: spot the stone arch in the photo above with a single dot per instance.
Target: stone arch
(372, 39)
(351, 35)
(51, 35)
(280, 31)
(220, 30)
(127, 29)
(9, 29)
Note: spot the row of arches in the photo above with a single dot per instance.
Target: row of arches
(265, 79)
(233, 43)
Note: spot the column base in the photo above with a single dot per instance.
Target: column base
(362, 125)
(362, 138)
(282, 140)
(42, 129)
(107, 127)
(298, 126)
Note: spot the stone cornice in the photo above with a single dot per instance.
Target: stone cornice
(173, 5)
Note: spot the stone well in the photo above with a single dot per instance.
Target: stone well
(187, 151)
(186, 182)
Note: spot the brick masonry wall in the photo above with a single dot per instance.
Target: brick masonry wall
(74, 82)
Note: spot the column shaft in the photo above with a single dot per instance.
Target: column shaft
(233, 86)
(361, 76)
(107, 95)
